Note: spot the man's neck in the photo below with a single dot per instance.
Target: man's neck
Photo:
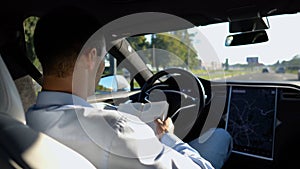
(53, 83)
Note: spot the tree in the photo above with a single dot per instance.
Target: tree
(173, 48)
(176, 44)
(140, 44)
(29, 27)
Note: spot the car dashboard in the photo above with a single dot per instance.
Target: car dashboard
(262, 119)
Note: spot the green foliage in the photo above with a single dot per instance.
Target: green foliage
(102, 88)
(291, 65)
(179, 44)
(29, 27)
(138, 42)
(164, 47)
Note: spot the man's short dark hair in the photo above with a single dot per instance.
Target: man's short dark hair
(59, 37)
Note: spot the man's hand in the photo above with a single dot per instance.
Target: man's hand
(163, 127)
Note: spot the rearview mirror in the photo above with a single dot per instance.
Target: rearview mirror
(248, 25)
(246, 38)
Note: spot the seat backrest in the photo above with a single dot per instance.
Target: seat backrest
(11, 104)
(23, 147)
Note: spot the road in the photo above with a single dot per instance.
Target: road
(265, 77)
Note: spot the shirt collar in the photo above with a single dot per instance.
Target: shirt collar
(52, 98)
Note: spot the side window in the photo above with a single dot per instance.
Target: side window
(27, 87)
(114, 78)
(29, 27)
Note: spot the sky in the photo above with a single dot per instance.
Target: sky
(283, 44)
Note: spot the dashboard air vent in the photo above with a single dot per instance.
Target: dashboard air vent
(289, 93)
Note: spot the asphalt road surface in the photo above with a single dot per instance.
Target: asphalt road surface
(265, 77)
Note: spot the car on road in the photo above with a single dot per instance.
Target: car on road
(280, 70)
(175, 51)
(265, 70)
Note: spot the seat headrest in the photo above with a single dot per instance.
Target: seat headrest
(9, 97)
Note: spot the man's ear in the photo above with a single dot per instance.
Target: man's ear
(91, 58)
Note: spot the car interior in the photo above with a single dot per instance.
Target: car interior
(21, 146)
(261, 115)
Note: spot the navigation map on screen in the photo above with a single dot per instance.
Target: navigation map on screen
(251, 120)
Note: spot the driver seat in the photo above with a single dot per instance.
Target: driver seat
(23, 147)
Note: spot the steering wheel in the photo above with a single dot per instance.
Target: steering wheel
(184, 93)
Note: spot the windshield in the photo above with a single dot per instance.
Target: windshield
(202, 50)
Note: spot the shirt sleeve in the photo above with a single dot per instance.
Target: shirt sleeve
(127, 142)
(178, 145)
(136, 146)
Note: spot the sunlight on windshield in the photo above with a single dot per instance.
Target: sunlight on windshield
(255, 62)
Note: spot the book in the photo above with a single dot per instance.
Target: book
(147, 112)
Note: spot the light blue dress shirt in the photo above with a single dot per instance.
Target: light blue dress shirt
(109, 138)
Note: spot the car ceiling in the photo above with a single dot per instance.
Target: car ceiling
(198, 12)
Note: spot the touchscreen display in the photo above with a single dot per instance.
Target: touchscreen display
(251, 120)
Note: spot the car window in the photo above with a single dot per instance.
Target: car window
(29, 27)
(114, 78)
(187, 49)
(26, 85)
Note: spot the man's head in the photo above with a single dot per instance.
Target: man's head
(62, 37)
(59, 38)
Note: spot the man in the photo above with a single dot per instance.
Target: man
(109, 139)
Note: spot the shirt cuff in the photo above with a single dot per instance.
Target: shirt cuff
(170, 140)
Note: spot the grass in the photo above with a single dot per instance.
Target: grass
(219, 74)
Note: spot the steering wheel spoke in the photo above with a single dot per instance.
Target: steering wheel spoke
(182, 90)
